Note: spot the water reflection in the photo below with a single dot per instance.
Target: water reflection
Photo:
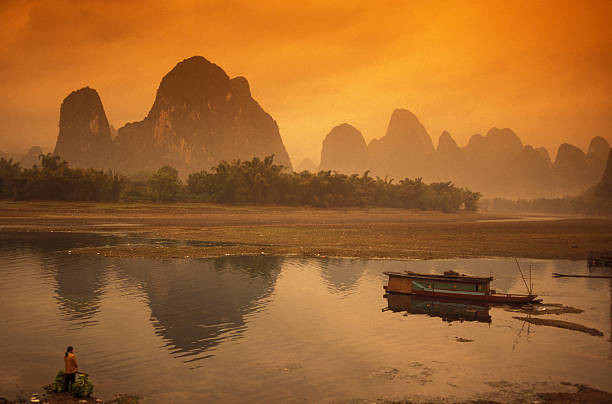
(79, 281)
(447, 310)
(80, 286)
(603, 270)
(197, 304)
(342, 275)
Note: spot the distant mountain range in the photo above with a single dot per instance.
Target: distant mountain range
(201, 116)
(497, 164)
(27, 160)
(599, 198)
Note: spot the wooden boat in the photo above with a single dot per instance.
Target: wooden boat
(451, 286)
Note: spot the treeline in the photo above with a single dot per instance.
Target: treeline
(581, 204)
(240, 182)
(540, 205)
(564, 205)
(260, 181)
(55, 180)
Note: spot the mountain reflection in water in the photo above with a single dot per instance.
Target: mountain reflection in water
(447, 310)
(79, 280)
(197, 303)
(342, 275)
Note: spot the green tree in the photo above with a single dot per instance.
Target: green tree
(165, 184)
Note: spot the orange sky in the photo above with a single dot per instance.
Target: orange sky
(542, 68)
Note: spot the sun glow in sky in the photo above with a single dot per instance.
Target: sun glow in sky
(542, 68)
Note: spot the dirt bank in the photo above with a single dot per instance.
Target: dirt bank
(67, 398)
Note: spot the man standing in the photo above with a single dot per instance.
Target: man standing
(70, 368)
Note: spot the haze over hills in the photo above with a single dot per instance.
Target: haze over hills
(406, 150)
(200, 116)
(604, 187)
(598, 199)
(31, 158)
(497, 164)
(306, 165)
(345, 150)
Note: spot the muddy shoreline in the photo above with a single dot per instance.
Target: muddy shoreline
(504, 392)
(286, 231)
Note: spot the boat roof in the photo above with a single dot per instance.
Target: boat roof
(453, 278)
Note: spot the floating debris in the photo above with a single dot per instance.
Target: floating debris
(561, 324)
(459, 339)
(558, 275)
(540, 309)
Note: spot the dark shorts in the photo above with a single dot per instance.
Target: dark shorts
(69, 379)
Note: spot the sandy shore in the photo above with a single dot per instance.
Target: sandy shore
(366, 233)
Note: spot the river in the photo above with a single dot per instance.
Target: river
(273, 329)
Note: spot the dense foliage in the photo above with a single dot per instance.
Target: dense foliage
(55, 180)
(240, 182)
(260, 182)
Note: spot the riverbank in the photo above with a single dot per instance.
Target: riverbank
(299, 231)
(566, 393)
(67, 398)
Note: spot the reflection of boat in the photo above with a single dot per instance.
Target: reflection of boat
(600, 258)
(447, 309)
(452, 286)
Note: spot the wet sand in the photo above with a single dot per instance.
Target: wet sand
(299, 231)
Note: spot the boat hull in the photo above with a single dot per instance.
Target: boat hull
(491, 298)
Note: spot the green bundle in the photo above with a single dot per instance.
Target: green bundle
(58, 384)
(82, 387)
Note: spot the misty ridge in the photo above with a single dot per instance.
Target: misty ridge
(201, 119)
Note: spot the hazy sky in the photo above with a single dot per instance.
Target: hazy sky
(542, 68)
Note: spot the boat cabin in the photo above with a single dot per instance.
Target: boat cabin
(459, 284)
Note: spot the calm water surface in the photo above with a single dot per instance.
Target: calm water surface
(266, 329)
